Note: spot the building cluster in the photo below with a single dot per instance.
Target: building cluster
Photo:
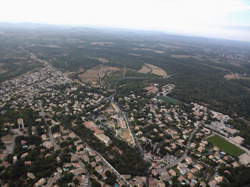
(23, 89)
(172, 138)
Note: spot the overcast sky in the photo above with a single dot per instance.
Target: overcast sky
(198, 17)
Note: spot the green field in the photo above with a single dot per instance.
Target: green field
(225, 146)
(170, 100)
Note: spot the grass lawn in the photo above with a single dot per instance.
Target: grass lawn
(225, 146)
(169, 100)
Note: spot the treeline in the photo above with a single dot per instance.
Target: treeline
(235, 176)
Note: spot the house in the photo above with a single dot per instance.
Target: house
(189, 160)
(105, 139)
(28, 163)
(8, 139)
(41, 182)
(231, 131)
(244, 159)
(213, 183)
(99, 169)
(237, 139)
(20, 123)
(172, 172)
(30, 175)
(198, 166)
(47, 144)
(218, 179)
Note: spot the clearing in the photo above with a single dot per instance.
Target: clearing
(149, 68)
(2, 70)
(103, 60)
(236, 76)
(170, 100)
(102, 43)
(225, 145)
(148, 49)
(145, 69)
(182, 56)
(96, 72)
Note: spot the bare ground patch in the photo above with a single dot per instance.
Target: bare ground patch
(2, 70)
(133, 54)
(103, 60)
(102, 43)
(94, 73)
(182, 56)
(145, 69)
(156, 70)
(149, 49)
(236, 76)
(169, 46)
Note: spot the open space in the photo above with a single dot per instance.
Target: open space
(170, 100)
(156, 70)
(225, 146)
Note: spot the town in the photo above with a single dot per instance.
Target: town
(59, 132)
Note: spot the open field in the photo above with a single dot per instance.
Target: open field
(103, 60)
(133, 54)
(169, 46)
(157, 70)
(102, 43)
(145, 69)
(236, 76)
(148, 49)
(182, 56)
(2, 70)
(125, 135)
(94, 73)
(170, 100)
(225, 146)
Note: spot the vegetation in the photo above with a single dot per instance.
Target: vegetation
(235, 176)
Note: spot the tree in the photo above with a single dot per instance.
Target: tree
(111, 178)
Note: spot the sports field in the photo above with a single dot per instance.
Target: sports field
(170, 100)
(225, 146)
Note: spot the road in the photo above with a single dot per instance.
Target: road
(132, 133)
(118, 175)
(87, 182)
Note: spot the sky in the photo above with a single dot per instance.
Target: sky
(213, 18)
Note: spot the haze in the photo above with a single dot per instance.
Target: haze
(228, 19)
